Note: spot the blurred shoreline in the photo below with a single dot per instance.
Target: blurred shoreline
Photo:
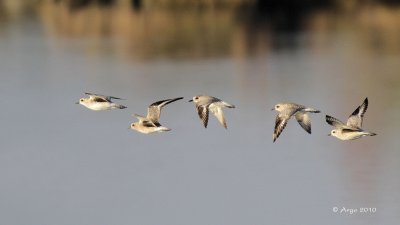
(247, 27)
(18, 6)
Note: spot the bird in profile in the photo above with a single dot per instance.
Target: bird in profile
(352, 129)
(150, 123)
(205, 104)
(287, 111)
(99, 102)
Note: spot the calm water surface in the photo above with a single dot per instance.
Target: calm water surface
(63, 164)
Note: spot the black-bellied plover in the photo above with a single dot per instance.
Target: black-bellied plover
(286, 111)
(352, 129)
(205, 103)
(150, 123)
(99, 102)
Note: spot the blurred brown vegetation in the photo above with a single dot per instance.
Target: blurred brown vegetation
(210, 28)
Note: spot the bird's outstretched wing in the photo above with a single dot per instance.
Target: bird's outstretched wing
(334, 122)
(356, 118)
(280, 124)
(304, 120)
(203, 114)
(154, 110)
(217, 111)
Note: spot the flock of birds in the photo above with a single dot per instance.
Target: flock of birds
(350, 130)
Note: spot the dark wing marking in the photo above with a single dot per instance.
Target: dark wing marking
(356, 118)
(107, 98)
(348, 130)
(203, 114)
(145, 122)
(99, 99)
(148, 124)
(304, 121)
(154, 110)
(280, 124)
(334, 122)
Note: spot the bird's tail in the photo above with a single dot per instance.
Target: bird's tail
(116, 106)
(370, 134)
(162, 129)
(312, 110)
(228, 105)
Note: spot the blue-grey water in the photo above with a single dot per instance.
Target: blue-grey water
(63, 164)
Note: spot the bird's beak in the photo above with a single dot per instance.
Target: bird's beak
(272, 109)
(76, 102)
(191, 100)
(329, 134)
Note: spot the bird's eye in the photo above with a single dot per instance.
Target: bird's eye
(81, 100)
(196, 98)
(277, 106)
(334, 132)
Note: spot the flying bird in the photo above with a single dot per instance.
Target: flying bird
(287, 111)
(205, 104)
(150, 123)
(353, 128)
(99, 102)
